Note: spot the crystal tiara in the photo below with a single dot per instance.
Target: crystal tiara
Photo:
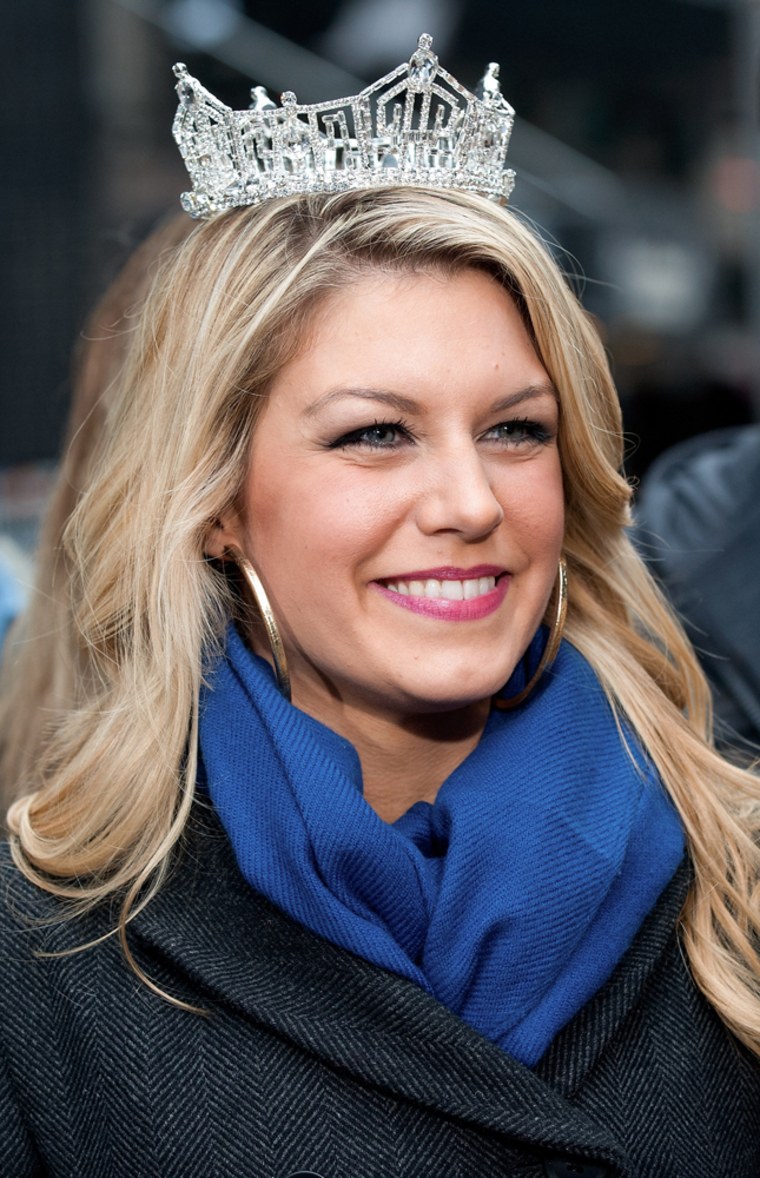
(415, 126)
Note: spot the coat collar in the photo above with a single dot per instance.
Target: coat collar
(237, 950)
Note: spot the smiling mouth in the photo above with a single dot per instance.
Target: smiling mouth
(447, 590)
(452, 595)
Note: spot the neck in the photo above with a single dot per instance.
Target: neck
(404, 759)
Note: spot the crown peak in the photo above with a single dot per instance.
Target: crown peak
(260, 99)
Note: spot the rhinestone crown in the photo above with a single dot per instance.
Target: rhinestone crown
(415, 126)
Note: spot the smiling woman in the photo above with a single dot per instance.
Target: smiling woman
(360, 491)
(453, 512)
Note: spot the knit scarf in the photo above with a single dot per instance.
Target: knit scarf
(510, 899)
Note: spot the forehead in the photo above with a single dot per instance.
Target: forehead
(415, 329)
(373, 288)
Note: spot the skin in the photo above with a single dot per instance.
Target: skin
(416, 430)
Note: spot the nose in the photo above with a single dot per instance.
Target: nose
(457, 495)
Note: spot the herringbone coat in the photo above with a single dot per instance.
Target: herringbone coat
(308, 1060)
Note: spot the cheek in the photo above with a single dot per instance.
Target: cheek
(534, 505)
(320, 527)
(548, 508)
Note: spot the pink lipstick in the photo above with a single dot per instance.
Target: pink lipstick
(449, 594)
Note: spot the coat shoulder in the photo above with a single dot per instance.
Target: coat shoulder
(37, 927)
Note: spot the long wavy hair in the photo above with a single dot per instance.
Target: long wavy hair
(42, 655)
(107, 781)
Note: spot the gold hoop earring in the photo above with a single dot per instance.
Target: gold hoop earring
(267, 616)
(552, 645)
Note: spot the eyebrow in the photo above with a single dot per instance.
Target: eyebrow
(404, 404)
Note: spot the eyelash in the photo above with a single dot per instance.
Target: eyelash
(531, 431)
(358, 437)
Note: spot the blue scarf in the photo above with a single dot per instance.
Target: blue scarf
(510, 899)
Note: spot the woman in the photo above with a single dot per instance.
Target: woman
(401, 882)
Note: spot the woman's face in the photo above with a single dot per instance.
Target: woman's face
(404, 505)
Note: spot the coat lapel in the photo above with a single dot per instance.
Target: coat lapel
(237, 949)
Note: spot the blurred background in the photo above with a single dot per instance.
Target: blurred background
(636, 149)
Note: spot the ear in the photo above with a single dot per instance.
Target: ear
(226, 531)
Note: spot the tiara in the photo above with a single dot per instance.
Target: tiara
(415, 126)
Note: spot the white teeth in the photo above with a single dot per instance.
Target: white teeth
(449, 590)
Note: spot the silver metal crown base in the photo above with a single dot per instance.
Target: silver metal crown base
(201, 205)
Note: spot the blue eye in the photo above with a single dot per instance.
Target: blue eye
(519, 432)
(383, 435)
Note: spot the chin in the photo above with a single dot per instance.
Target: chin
(457, 682)
(455, 696)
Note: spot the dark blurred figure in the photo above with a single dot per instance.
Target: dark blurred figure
(44, 221)
(699, 526)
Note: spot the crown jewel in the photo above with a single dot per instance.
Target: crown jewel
(415, 126)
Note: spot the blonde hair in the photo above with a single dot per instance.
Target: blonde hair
(43, 654)
(109, 783)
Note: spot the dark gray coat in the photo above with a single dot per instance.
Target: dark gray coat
(699, 527)
(311, 1060)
